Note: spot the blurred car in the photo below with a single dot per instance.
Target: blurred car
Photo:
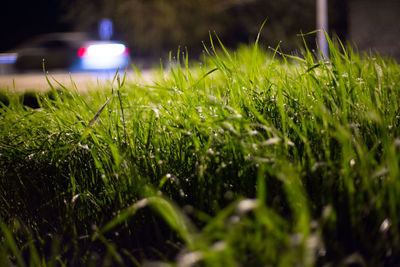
(69, 51)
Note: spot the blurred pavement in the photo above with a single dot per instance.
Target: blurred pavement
(84, 81)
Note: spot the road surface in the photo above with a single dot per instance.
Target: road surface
(84, 81)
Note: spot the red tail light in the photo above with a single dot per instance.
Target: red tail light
(127, 51)
(82, 52)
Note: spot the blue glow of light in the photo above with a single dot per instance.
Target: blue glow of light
(90, 63)
(8, 58)
(106, 29)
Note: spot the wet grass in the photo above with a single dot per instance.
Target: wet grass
(248, 158)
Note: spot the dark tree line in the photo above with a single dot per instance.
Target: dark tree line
(156, 26)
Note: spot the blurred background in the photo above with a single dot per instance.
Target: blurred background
(152, 28)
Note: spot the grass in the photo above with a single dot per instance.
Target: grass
(250, 157)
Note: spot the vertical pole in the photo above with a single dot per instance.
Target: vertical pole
(322, 25)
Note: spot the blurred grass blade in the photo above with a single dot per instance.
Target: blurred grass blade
(9, 240)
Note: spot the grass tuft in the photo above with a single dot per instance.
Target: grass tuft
(251, 157)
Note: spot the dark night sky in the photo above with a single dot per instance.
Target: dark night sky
(23, 19)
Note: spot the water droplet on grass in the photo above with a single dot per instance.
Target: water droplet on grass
(272, 141)
(296, 239)
(385, 225)
(397, 142)
(219, 246)
(327, 211)
(246, 205)
(74, 198)
(289, 143)
(234, 219)
(189, 259)
(182, 193)
(352, 162)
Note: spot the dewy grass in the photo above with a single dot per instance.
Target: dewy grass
(251, 158)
